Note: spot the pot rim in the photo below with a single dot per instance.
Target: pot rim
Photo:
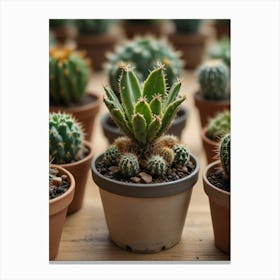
(90, 106)
(72, 184)
(144, 190)
(86, 158)
(206, 171)
(205, 138)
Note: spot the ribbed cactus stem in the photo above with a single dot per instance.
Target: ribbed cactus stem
(156, 165)
(224, 153)
(112, 155)
(181, 155)
(129, 165)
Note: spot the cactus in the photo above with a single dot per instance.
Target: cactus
(65, 138)
(224, 154)
(166, 141)
(129, 165)
(69, 74)
(156, 165)
(53, 23)
(181, 155)
(221, 50)
(123, 143)
(213, 80)
(187, 25)
(93, 26)
(143, 53)
(218, 126)
(145, 112)
(167, 154)
(112, 155)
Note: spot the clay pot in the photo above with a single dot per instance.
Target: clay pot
(192, 47)
(64, 33)
(79, 169)
(210, 146)
(85, 112)
(132, 29)
(209, 108)
(222, 30)
(96, 47)
(111, 130)
(57, 213)
(219, 201)
(145, 218)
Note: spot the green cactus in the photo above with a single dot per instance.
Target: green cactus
(224, 154)
(59, 22)
(221, 50)
(156, 165)
(167, 154)
(213, 79)
(65, 138)
(181, 155)
(93, 26)
(187, 25)
(112, 155)
(129, 165)
(69, 74)
(137, 113)
(218, 126)
(143, 54)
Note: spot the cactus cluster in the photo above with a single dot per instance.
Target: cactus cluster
(218, 126)
(129, 165)
(213, 78)
(65, 138)
(92, 26)
(187, 25)
(221, 50)
(69, 72)
(143, 53)
(224, 154)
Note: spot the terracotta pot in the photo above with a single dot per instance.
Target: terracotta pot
(79, 169)
(145, 218)
(209, 108)
(222, 30)
(210, 146)
(64, 33)
(96, 47)
(57, 213)
(111, 131)
(85, 112)
(219, 201)
(133, 29)
(192, 47)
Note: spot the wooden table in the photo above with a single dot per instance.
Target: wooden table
(85, 236)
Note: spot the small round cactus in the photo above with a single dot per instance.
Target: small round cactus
(143, 54)
(129, 165)
(213, 79)
(168, 141)
(167, 154)
(92, 26)
(181, 155)
(188, 26)
(69, 74)
(112, 155)
(156, 165)
(65, 138)
(123, 143)
(224, 153)
(219, 125)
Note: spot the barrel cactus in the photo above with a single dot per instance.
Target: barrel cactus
(213, 78)
(92, 26)
(143, 53)
(221, 50)
(129, 165)
(218, 126)
(181, 155)
(65, 138)
(112, 155)
(156, 165)
(224, 154)
(189, 26)
(69, 74)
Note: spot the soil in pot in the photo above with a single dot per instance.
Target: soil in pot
(137, 212)
(217, 187)
(85, 112)
(60, 196)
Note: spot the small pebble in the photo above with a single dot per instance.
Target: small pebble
(146, 177)
(135, 179)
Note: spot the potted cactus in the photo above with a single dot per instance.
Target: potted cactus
(146, 177)
(63, 30)
(221, 50)
(141, 27)
(95, 37)
(188, 39)
(143, 54)
(216, 182)
(69, 75)
(213, 95)
(222, 28)
(61, 192)
(68, 149)
(211, 134)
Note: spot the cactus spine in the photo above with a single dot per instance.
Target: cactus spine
(129, 165)
(156, 165)
(112, 155)
(219, 125)
(181, 155)
(213, 80)
(224, 154)
(68, 75)
(65, 138)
